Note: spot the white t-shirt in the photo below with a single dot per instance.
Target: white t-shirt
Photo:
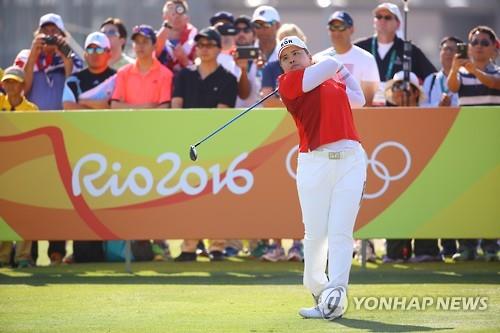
(383, 49)
(360, 63)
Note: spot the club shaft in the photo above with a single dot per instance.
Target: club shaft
(235, 118)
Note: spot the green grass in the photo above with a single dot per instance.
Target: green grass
(240, 295)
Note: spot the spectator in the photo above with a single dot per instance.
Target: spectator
(250, 70)
(272, 70)
(116, 32)
(477, 78)
(399, 250)
(47, 65)
(14, 100)
(223, 22)
(266, 22)
(436, 84)
(175, 46)
(359, 62)
(209, 85)
(146, 75)
(92, 87)
(477, 81)
(387, 47)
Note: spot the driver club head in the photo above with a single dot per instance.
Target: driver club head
(192, 153)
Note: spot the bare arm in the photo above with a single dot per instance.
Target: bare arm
(161, 38)
(29, 67)
(453, 80)
(369, 88)
(94, 103)
(177, 102)
(73, 106)
(488, 80)
(244, 87)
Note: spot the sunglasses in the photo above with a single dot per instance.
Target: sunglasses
(261, 25)
(482, 42)
(337, 27)
(205, 45)
(245, 30)
(111, 33)
(385, 17)
(96, 50)
(400, 86)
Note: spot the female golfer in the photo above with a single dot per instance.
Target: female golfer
(331, 168)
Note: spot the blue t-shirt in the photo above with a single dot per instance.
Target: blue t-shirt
(272, 70)
(48, 83)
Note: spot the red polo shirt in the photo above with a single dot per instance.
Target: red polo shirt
(322, 115)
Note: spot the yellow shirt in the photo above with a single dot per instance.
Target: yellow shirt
(24, 106)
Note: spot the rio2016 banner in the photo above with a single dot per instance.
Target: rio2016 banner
(127, 174)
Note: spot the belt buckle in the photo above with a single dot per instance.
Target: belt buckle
(335, 155)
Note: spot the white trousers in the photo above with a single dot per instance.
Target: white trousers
(330, 192)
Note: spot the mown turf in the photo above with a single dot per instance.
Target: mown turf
(240, 295)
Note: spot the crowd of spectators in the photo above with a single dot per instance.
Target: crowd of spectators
(232, 62)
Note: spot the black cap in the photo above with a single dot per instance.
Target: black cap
(247, 20)
(209, 33)
(221, 16)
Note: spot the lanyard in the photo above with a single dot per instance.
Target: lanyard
(443, 88)
(392, 60)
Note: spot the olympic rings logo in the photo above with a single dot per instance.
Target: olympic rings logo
(378, 168)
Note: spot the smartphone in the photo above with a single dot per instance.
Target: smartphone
(462, 51)
(247, 52)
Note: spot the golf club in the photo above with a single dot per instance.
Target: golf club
(193, 154)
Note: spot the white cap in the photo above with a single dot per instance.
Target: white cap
(394, 9)
(266, 14)
(99, 39)
(399, 76)
(291, 41)
(54, 19)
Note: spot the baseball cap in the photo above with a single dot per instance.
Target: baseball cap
(209, 33)
(341, 16)
(144, 30)
(221, 16)
(394, 9)
(99, 39)
(52, 18)
(247, 20)
(13, 73)
(399, 76)
(266, 13)
(290, 41)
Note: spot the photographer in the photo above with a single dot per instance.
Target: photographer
(47, 65)
(478, 82)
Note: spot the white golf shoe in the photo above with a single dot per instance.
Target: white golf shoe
(310, 313)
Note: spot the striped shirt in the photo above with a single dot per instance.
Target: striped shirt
(473, 92)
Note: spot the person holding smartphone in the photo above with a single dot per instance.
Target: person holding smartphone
(476, 78)
(246, 56)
